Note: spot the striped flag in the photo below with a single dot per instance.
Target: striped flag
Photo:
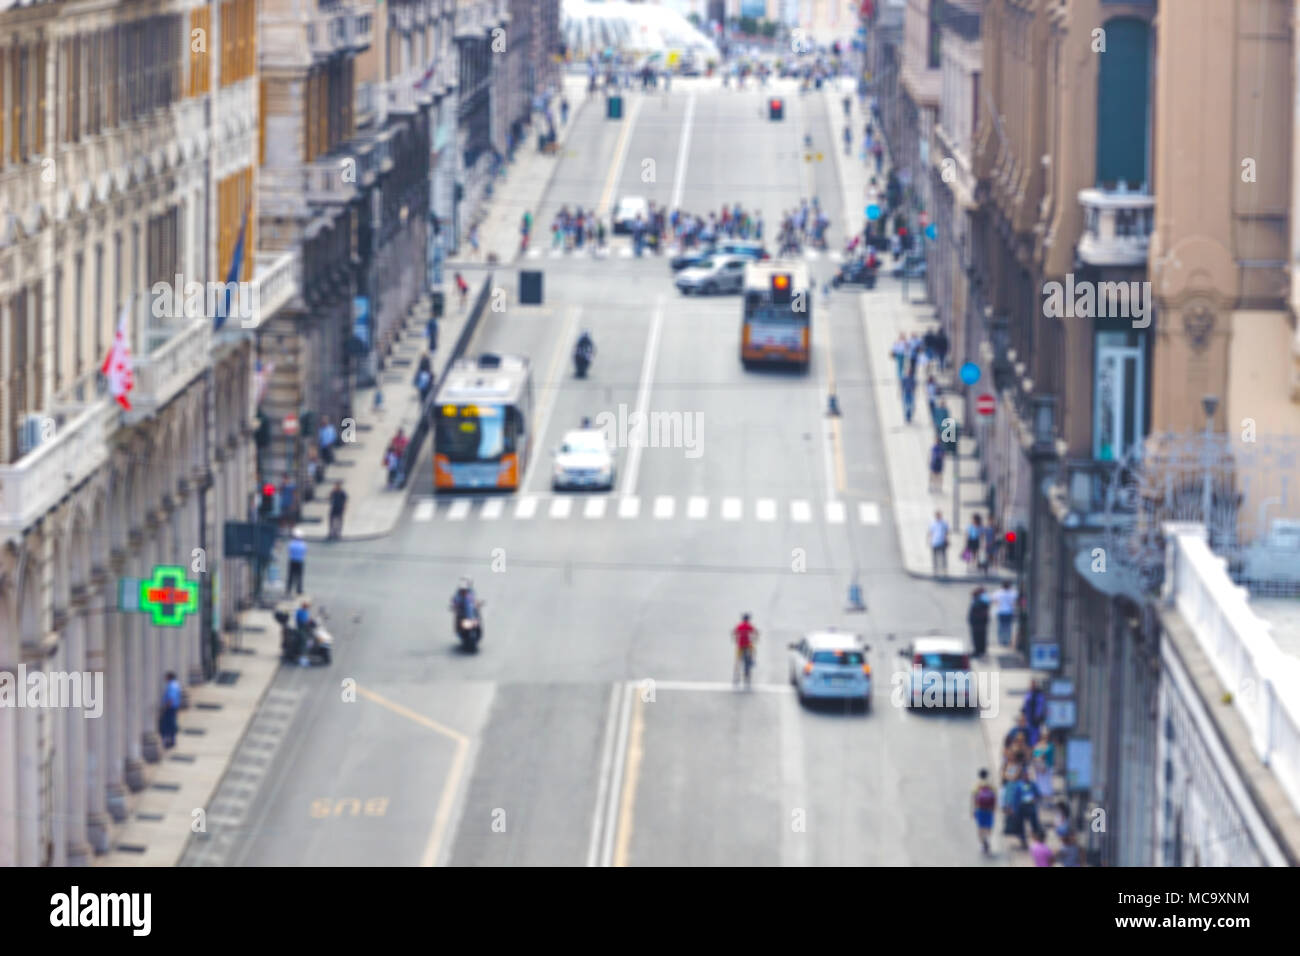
(117, 365)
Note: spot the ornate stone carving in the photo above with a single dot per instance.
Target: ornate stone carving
(1198, 323)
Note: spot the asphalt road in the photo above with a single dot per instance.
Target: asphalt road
(598, 724)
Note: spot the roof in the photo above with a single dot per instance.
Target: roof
(468, 380)
(832, 640)
(939, 645)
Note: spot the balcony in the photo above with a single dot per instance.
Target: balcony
(361, 30)
(36, 482)
(1117, 226)
(401, 96)
(276, 283)
(167, 370)
(1080, 490)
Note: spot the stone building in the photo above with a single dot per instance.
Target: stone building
(127, 161)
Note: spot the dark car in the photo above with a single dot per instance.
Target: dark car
(688, 260)
(732, 247)
(856, 272)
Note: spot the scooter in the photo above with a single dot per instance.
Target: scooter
(581, 362)
(312, 642)
(469, 628)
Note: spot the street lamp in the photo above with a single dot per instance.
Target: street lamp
(1210, 404)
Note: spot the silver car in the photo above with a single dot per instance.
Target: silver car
(720, 273)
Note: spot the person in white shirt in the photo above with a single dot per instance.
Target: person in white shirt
(939, 543)
(1004, 606)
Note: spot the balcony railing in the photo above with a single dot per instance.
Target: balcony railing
(1117, 227)
(401, 95)
(1082, 484)
(160, 376)
(1263, 681)
(34, 484)
(332, 180)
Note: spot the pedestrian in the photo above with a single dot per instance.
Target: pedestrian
(1013, 818)
(974, 535)
(977, 616)
(288, 499)
(424, 383)
(338, 503)
(1035, 704)
(984, 802)
(941, 345)
(326, 439)
(909, 396)
(564, 110)
(1020, 734)
(431, 332)
(1004, 606)
(1069, 854)
(390, 466)
(936, 467)
(171, 705)
(473, 239)
(938, 537)
(990, 545)
(463, 288)
(1040, 851)
(1043, 760)
(297, 562)
(900, 353)
(878, 153)
(1028, 794)
(931, 394)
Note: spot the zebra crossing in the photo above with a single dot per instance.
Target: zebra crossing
(626, 252)
(657, 508)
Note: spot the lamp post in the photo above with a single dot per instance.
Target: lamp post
(1210, 404)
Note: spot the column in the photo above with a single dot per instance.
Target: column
(97, 727)
(8, 776)
(150, 669)
(132, 628)
(116, 719)
(56, 728)
(76, 731)
(28, 819)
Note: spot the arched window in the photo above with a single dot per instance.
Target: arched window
(1123, 105)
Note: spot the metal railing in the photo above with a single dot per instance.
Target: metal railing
(1117, 226)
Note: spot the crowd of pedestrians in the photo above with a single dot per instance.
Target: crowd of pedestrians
(1025, 789)
(806, 225)
(690, 230)
(576, 229)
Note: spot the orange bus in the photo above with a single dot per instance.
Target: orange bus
(482, 417)
(777, 323)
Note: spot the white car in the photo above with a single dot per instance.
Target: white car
(720, 273)
(940, 675)
(583, 460)
(831, 664)
(627, 211)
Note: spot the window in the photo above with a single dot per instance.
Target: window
(39, 83)
(936, 34)
(846, 658)
(18, 146)
(4, 116)
(1123, 95)
(97, 305)
(58, 329)
(1119, 394)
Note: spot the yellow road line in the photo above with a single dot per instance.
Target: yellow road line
(628, 799)
(619, 155)
(442, 817)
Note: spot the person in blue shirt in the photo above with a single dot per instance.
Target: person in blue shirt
(171, 705)
(297, 558)
(328, 437)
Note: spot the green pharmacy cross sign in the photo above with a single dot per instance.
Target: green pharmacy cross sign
(168, 597)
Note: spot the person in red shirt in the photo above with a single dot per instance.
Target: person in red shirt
(746, 636)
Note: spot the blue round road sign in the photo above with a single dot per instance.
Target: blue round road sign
(970, 373)
(931, 232)
(873, 212)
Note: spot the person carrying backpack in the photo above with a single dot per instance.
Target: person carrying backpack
(984, 803)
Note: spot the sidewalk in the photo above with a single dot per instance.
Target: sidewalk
(161, 816)
(373, 509)
(885, 313)
(526, 182)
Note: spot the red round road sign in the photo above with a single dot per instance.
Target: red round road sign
(291, 424)
(986, 404)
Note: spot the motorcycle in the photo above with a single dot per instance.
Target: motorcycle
(312, 642)
(469, 626)
(581, 362)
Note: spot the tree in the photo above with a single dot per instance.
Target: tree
(695, 19)
(768, 28)
(748, 26)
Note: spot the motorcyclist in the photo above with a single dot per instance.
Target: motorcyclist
(464, 602)
(306, 627)
(585, 349)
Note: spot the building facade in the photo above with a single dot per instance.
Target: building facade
(129, 151)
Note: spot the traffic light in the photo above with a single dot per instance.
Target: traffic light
(781, 288)
(1016, 544)
(267, 506)
(775, 109)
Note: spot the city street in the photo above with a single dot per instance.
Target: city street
(598, 724)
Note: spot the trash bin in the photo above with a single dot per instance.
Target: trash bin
(614, 107)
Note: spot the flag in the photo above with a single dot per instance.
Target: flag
(232, 277)
(117, 365)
